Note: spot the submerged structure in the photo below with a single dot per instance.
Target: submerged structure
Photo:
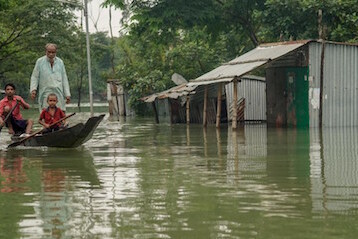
(308, 83)
(185, 103)
(117, 99)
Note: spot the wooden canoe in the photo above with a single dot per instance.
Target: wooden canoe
(71, 137)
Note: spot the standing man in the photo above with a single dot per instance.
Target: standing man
(49, 76)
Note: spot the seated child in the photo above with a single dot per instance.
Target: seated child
(52, 114)
(15, 123)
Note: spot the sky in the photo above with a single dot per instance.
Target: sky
(101, 16)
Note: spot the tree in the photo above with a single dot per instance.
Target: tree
(24, 33)
(299, 19)
(193, 37)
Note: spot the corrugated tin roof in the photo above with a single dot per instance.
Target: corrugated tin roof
(173, 93)
(247, 62)
(185, 89)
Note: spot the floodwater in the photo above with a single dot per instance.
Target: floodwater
(136, 179)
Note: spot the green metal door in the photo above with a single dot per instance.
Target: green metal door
(297, 97)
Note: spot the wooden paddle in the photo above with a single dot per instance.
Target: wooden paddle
(9, 114)
(17, 143)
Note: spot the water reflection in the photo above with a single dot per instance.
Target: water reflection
(334, 169)
(12, 173)
(136, 179)
(46, 180)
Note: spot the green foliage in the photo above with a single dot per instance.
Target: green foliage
(162, 37)
(25, 27)
(298, 19)
(149, 83)
(193, 37)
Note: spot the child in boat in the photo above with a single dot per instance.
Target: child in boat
(15, 123)
(52, 114)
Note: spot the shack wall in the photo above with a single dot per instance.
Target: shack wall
(254, 93)
(277, 86)
(174, 110)
(340, 84)
(163, 110)
(276, 99)
(197, 105)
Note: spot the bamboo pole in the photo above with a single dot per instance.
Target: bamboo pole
(205, 106)
(218, 107)
(234, 105)
(188, 110)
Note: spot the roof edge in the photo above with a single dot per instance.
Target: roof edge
(286, 43)
(268, 44)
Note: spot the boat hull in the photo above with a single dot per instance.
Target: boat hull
(71, 137)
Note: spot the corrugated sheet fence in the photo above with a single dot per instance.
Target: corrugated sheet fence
(254, 93)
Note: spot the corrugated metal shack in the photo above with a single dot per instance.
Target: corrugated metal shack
(175, 104)
(309, 83)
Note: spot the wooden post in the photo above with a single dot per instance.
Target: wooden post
(321, 79)
(234, 105)
(155, 112)
(109, 99)
(121, 107)
(188, 110)
(114, 92)
(205, 106)
(218, 107)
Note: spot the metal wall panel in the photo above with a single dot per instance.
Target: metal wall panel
(254, 92)
(315, 50)
(340, 78)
